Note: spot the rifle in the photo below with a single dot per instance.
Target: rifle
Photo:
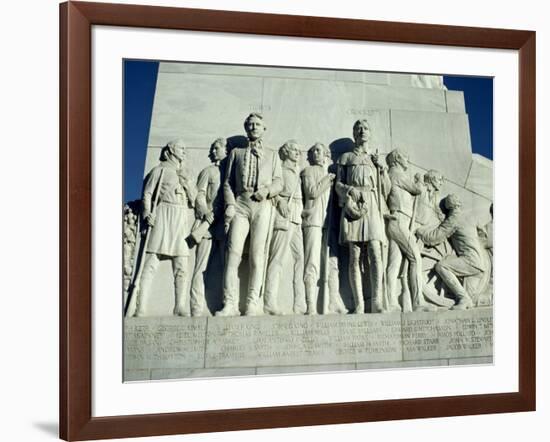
(131, 302)
(407, 302)
(326, 248)
(267, 248)
(385, 302)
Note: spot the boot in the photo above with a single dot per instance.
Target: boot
(230, 307)
(229, 310)
(357, 289)
(197, 313)
(140, 309)
(253, 304)
(335, 304)
(377, 304)
(424, 306)
(180, 310)
(270, 305)
(464, 303)
(183, 306)
(311, 299)
(142, 294)
(336, 307)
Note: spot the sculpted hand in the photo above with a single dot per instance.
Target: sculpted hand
(390, 217)
(355, 195)
(209, 217)
(228, 216)
(378, 162)
(150, 219)
(200, 213)
(260, 194)
(420, 231)
(283, 208)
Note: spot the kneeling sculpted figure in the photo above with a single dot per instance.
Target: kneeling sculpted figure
(253, 178)
(468, 262)
(360, 183)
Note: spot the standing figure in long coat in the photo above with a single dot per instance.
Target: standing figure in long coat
(168, 225)
(361, 183)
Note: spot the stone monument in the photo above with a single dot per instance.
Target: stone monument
(262, 234)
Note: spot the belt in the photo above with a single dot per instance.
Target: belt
(182, 205)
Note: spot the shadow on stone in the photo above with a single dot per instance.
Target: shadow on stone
(236, 141)
(339, 146)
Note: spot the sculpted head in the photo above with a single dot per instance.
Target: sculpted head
(433, 179)
(397, 157)
(175, 149)
(290, 151)
(254, 126)
(318, 154)
(361, 132)
(218, 150)
(452, 202)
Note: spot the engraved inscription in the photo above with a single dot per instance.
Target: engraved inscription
(466, 336)
(451, 334)
(298, 340)
(164, 343)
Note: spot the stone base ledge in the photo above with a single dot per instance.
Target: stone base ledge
(175, 347)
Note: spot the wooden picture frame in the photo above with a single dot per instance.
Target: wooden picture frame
(76, 421)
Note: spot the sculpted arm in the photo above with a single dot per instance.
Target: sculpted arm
(411, 186)
(151, 181)
(189, 188)
(435, 236)
(228, 193)
(229, 181)
(201, 206)
(313, 189)
(386, 182)
(276, 186)
(342, 189)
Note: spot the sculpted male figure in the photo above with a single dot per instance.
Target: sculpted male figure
(403, 243)
(428, 210)
(253, 178)
(468, 262)
(429, 214)
(317, 187)
(360, 183)
(167, 222)
(287, 234)
(209, 223)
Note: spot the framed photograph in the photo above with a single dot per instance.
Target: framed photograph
(272, 221)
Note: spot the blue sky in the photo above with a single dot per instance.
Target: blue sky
(140, 78)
